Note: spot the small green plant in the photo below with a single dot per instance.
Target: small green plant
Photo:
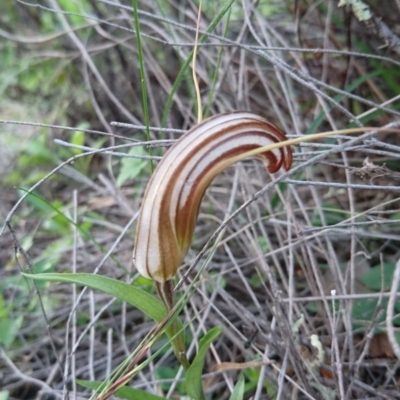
(9, 325)
(379, 277)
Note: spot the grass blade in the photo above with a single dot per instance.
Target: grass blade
(138, 298)
(238, 391)
(142, 77)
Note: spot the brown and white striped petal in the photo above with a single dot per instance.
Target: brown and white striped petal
(173, 195)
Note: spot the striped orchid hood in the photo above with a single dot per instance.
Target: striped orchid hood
(173, 195)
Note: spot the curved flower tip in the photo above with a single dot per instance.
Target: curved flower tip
(173, 195)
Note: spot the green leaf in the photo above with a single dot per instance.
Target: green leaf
(123, 393)
(9, 329)
(3, 308)
(78, 138)
(365, 310)
(142, 76)
(166, 375)
(193, 379)
(238, 391)
(74, 9)
(256, 280)
(372, 279)
(4, 395)
(131, 167)
(140, 299)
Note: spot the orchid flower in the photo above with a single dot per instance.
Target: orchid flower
(173, 195)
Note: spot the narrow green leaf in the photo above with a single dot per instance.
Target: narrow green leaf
(140, 299)
(193, 381)
(123, 393)
(238, 391)
(142, 76)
